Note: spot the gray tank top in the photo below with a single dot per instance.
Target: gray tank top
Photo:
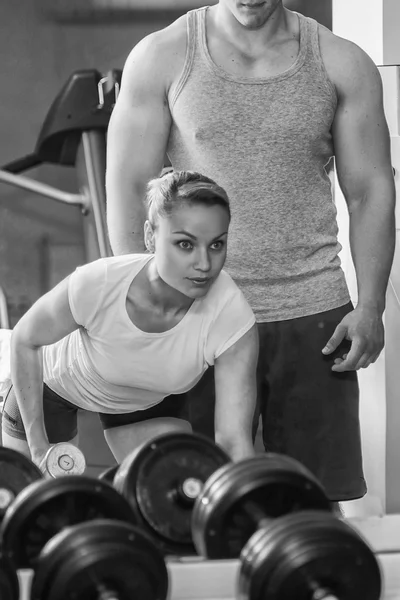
(267, 142)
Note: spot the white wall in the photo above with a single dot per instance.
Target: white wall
(374, 25)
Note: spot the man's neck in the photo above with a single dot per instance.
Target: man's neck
(251, 40)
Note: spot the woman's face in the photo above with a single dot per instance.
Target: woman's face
(190, 247)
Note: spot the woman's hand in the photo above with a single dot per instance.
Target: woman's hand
(38, 455)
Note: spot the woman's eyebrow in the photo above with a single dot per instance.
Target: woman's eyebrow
(183, 232)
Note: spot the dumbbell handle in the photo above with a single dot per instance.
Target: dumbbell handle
(106, 594)
(256, 513)
(323, 594)
(187, 490)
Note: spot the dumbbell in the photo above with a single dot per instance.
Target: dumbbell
(48, 506)
(9, 584)
(308, 556)
(273, 514)
(100, 560)
(109, 474)
(161, 481)
(63, 459)
(244, 496)
(16, 473)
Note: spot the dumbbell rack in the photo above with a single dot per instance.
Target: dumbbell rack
(198, 579)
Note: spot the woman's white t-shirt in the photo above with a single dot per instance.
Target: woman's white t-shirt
(109, 365)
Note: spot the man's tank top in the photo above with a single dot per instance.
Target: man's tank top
(267, 141)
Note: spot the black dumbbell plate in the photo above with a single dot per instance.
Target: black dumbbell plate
(154, 480)
(9, 586)
(238, 496)
(109, 474)
(16, 473)
(308, 555)
(108, 557)
(46, 507)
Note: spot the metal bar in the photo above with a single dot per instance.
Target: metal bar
(94, 152)
(23, 164)
(4, 320)
(43, 189)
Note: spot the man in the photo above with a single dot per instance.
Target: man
(260, 98)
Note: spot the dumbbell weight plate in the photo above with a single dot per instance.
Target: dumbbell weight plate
(268, 486)
(100, 556)
(16, 473)
(9, 586)
(63, 459)
(46, 507)
(306, 556)
(109, 474)
(161, 481)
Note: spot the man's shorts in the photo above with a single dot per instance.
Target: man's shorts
(308, 411)
(61, 417)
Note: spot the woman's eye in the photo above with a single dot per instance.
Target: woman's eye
(185, 245)
(217, 245)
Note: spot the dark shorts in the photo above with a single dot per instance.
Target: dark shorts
(61, 417)
(308, 411)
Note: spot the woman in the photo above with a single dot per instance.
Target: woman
(123, 335)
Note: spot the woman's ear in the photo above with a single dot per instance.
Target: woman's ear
(149, 237)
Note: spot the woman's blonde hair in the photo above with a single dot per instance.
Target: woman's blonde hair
(177, 188)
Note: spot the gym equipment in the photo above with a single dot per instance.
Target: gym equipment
(100, 560)
(48, 506)
(16, 473)
(241, 497)
(9, 585)
(63, 459)
(74, 134)
(308, 556)
(84, 103)
(109, 474)
(4, 318)
(217, 580)
(162, 479)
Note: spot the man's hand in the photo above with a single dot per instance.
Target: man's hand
(364, 328)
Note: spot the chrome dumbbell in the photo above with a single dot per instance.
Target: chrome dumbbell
(63, 459)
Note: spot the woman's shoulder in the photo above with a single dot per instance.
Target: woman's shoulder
(107, 273)
(222, 291)
(126, 260)
(119, 265)
(225, 283)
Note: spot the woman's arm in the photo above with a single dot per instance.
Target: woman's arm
(236, 391)
(47, 321)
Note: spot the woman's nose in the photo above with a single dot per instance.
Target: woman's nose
(203, 262)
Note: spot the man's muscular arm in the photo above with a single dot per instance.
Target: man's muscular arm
(136, 143)
(364, 169)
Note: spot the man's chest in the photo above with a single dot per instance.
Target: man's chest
(270, 62)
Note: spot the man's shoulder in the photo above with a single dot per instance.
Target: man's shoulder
(339, 49)
(161, 53)
(345, 62)
(167, 43)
